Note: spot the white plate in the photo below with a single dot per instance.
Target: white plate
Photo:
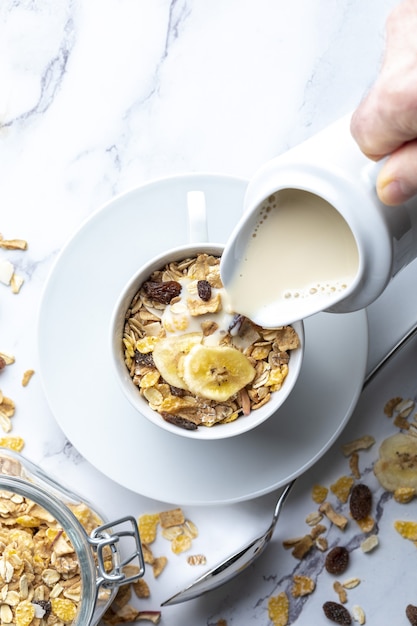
(96, 417)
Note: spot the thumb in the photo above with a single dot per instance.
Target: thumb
(397, 180)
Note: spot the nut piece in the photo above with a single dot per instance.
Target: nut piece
(337, 560)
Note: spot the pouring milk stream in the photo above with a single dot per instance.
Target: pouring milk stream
(314, 236)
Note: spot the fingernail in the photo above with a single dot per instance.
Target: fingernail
(393, 192)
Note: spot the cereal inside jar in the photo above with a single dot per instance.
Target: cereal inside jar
(196, 362)
(49, 567)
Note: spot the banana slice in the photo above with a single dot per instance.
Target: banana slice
(397, 463)
(216, 372)
(168, 354)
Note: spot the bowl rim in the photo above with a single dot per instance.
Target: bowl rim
(221, 431)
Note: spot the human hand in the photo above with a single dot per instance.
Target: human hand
(385, 123)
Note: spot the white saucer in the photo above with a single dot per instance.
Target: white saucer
(96, 417)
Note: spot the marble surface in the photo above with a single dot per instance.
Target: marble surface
(99, 97)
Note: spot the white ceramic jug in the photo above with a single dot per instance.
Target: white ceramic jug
(331, 166)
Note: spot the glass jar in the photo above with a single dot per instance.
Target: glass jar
(100, 553)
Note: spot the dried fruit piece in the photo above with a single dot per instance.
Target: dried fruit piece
(397, 463)
(278, 609)
(337, 560)
(204, 290)
(216, 372)
(162, 292)
(411, 613)
(337, 613)
(360, 502)
(168, 354)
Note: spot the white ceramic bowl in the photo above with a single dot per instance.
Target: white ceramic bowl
(131, 391)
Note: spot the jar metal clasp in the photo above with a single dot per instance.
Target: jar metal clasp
(109, 536)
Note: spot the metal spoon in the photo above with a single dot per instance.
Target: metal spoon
(234, 564)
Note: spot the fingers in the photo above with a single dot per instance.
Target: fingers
(387, 117)
(397, 180)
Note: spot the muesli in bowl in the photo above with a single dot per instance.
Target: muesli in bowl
(190, 363)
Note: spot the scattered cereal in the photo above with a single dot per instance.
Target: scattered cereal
(12, 443)
(370, 543)
(319, 493)
(147, 524)
(158, 565)
(362, 443)
(351, 583)
(341, 591)
(404, 495)
(407, 529)
(27, 375)
(197, 559)
(278, 609)
(174, 517)
(302, 586)
(390, 406)
(141, 588)
(358, 614)
(337, 519)
(342, 487)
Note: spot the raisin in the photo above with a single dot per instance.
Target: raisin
(411, 613)
(337, 560)
(337, 613)
(360, 501)
(176, 391)
(162, 292)
(204, 290)
(176, 420)
(144, 359)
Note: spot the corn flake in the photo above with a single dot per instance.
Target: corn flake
(278, 609)
(319, 493)
(407, 529)
(148, 524)
(342, 487)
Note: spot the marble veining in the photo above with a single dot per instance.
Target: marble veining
(98, 97)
